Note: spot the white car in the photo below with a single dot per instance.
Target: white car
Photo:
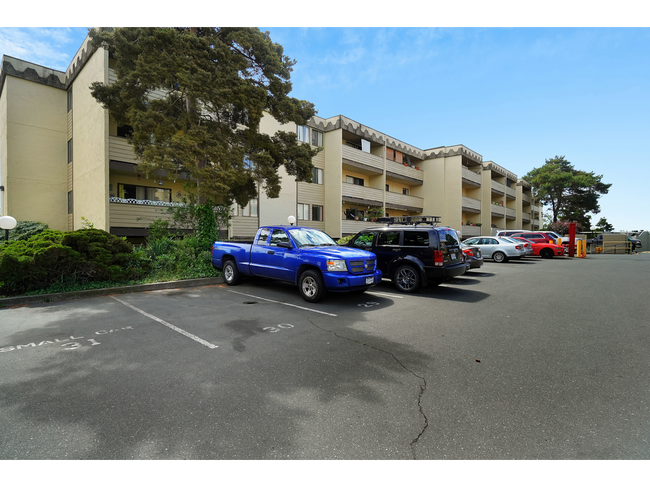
(497, 248)
(528, 247)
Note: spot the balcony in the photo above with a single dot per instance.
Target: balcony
(525, 198)
(497, 210)
(471, 204)
(396, 169)
(471, 177)
(130, 213)
(498, 188)
(350, 227)
(362, 159)
(525, 216)
(404, 201)
(120, 150)
(511, 213)
(362, 194)
(470, 231)
(511, 192)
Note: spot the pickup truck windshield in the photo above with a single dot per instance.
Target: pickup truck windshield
(309, 237)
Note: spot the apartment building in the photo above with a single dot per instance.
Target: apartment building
(62, 160)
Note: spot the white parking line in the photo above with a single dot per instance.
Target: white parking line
(386, 294)
(286, 304)
(168, 325)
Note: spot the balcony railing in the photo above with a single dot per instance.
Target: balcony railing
(470, 231)
(402, 170)
(356, 155)
(511, 213)
(353, 226)
(471, 204)
(471, 176)
(120, 150)
(498, 188)
(362, 193)
(404, 200)
(511, 192)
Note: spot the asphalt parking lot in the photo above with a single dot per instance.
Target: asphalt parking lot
(538, 359)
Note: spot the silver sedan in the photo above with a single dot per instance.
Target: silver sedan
(497, 248)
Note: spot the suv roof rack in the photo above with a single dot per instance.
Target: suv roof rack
(408, 220)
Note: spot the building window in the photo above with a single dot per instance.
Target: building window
(303, 211)
(316, 138)
(70, 205)
(133, 192)
(250, 209)
(124, 131)
(317, 175)
(353, 180)
(405, 191)
(317, 213)
(70, 99)
(70, 150)
(303, 133)
(387, 188)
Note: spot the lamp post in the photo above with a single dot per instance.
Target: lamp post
(7, 222)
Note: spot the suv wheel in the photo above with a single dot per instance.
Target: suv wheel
(406, 278)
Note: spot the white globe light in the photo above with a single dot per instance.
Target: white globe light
(7, 222)
(291, 220)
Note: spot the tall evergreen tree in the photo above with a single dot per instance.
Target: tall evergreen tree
(570, 193)
(216, 85)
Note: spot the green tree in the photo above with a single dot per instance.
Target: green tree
(217, 84)
(604, 225)
(570, 193)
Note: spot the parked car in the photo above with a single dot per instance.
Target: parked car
(528, 247)
(496, 248)
(412, 251)
(543, 250)
(539, 237)
(304, 256)
(473, 256)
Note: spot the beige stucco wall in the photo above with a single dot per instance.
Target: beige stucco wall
(34, 152)
(275, 211)
(332, 176)
(3, 151)
(90, 142)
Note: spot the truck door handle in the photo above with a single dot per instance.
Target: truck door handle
(271, 252)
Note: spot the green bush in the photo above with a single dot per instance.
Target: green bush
(23, 230)
(179, 259)
(344, 240)
(54, 256)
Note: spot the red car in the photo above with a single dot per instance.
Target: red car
(544, 250)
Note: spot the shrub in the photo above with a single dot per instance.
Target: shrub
(23, 230)
(344, 240)
(54, 256)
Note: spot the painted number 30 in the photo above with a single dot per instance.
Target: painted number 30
(273, 329)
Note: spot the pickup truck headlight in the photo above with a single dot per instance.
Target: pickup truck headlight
(336, 265)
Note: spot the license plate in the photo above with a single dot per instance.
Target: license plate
(370, 280)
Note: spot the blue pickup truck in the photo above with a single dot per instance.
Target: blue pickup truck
(305, 256)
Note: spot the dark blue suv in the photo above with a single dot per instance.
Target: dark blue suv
(412, 251)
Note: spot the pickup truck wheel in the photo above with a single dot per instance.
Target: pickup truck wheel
(311, 286)
(406, 278)
(499, 257)
(230, 273)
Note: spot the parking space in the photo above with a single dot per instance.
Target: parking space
(473, 368)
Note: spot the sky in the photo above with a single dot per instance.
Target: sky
(517, 88)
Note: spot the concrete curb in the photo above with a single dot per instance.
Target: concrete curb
(50, 298)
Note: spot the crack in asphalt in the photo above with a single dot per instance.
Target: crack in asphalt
(423, 385)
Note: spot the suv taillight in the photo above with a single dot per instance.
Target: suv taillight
(437, 257)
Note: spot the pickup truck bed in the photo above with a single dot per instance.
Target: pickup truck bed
(304, 256)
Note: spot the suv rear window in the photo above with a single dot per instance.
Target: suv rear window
(448, 237)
